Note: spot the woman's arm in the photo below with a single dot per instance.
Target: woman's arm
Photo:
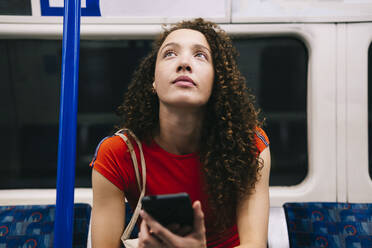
(108, 213)
(253, 212)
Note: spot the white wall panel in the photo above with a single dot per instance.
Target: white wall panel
(341, 127)
(359, 38)
(35, 8)
(301, 11)
(165, 11)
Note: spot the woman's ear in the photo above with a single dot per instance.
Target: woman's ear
(154, 87)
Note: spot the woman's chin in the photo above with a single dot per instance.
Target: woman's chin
(186, 103)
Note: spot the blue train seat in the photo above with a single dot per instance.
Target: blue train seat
(33, 225)
(329, 224)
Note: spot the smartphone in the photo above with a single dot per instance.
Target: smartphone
(170, 209)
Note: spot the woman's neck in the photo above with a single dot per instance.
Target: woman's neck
(179, 129)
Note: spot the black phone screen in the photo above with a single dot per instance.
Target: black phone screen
(170, 209)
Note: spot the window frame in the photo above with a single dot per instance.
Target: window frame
(320, 183)
(320, 40)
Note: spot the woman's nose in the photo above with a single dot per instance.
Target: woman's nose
(184, 63)
(184, 67)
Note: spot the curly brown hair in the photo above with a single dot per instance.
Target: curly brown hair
(228, 148)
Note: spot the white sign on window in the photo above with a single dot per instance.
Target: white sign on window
(60, 3)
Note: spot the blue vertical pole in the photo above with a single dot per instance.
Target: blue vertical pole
(63, 226)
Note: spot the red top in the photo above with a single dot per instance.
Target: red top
(166, 174)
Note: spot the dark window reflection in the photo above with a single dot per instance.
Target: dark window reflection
(370, 109)
(15, 7)
(29, 105)
(276, 70)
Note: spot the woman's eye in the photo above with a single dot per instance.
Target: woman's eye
(169, 54)
(201, 55)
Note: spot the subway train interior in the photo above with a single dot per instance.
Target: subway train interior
(309, 64)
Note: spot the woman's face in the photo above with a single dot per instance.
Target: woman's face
(184, 71)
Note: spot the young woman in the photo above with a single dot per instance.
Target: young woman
(190, 107)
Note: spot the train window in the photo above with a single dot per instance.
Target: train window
(370, 109)
(15, 7)
(275, 68)
(29, 95)
(276, 71)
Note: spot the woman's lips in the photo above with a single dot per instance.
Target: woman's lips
(184, 81)
(184, 84)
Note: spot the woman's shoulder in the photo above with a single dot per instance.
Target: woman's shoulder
(262, 141)
(111, 160)
(110, 149)
(111, 145)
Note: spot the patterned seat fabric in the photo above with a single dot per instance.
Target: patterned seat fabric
(33, 226)
(325, 224)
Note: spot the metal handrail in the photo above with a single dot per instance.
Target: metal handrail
(63, 226)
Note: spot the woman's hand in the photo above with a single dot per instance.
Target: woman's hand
(153, 234)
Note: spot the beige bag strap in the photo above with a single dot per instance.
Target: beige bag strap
(132, 223)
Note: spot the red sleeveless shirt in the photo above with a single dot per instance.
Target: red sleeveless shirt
(166, 174)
